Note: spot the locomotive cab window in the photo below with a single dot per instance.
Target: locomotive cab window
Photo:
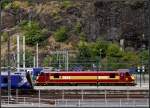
(112, 75)
(42, 74)
(56, 75)
(127, 74)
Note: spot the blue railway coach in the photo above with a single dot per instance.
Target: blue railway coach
(19, 80)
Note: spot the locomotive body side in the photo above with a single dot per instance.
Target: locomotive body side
(85, 78)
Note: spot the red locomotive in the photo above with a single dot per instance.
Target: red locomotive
(85, 78)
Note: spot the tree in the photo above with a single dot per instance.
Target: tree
(84, 51)
(33, 33)
(120, 59)
(131, 58)
(114, 50)
(98, 48)
(114, 55)
(144, 56)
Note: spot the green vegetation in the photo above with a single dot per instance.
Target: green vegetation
(47, 60)
(89, 53)
(7, 4)
(84, 50)
(34, 34)
(109, 55)
(105, 54)
(114, 63)
(82, 36)
(144, 56)
(28, 60)
(114, 51)
(126, 60)
(67, 3)
(78, 28)
(131, 57)
(15, 5)
(61, 34)
(92, 49)
(98, 48)
(30, 1)
(56, 15)
(4, 36)
(54, 60)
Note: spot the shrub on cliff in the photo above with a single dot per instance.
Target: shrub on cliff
(61, 34)
(33, 33)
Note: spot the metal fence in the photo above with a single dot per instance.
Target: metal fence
(79, 98)
(119, 102)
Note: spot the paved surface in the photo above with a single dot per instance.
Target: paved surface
(137, 87)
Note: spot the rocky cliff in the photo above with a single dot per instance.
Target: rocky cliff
(105, 19)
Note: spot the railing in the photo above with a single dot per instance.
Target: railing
(118, 102)
(98, 103)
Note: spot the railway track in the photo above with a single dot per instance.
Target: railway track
(78, 94)
(53, 97)
(72, 98)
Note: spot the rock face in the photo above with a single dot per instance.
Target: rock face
(110, 20)
(115, 21)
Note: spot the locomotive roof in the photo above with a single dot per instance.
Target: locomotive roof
(84, 71)
(13, 73)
